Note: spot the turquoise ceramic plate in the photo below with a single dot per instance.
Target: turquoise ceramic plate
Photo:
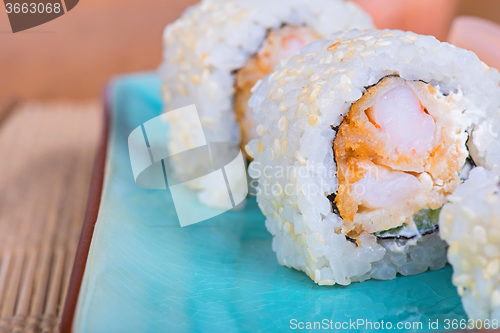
(145, 273)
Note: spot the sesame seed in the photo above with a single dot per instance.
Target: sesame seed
(480, 234)
(195, 78)
(480, 260)
(325, 101)
(314, 93)
(313, 77)
(262, 209)
(299, 240)
(182, 90)
(284, 61)
(412, 37)
(282, 107)
(279, 221)
(370, 42)
(273, 76)
(287, 227)
(383, 43)
(345, 88)
(260, 147)
(313, 257)
(495, 299)
(342, 46)
(466, 267)
(494, 236)
(317, 276)
(260, 130)
(388, 34)
(360, 47)
(367, 53)
(462, 280)
(255, 86)
(491, 251)
(278, 196)
(300, 68)
(276, 94)
(472, 246)
(205, 73)
(299, 157)
(493, 267)
(345, 79)
(486, 67)
(366, 37)
(326, 282)
(339, 54)
(283, 146)
(276, 144)
(315, 237)
(301, 109)
(310, 54)
(308, 271)
(249, 150)
(332, 47)
(280, 210)
(314, 109)
(454, 248)
(283, 123)
(301, 97)
(329, 70)
(312, 120)
(327, 59)
(281, 74)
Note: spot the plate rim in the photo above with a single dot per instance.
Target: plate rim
(91, 213)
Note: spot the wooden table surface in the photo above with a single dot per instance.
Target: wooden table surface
(47, 155)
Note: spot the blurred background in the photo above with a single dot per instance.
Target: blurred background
(73, 56)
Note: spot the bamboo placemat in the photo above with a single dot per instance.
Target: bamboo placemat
(46, 156)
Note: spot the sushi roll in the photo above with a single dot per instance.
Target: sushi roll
(470, 224)
(216, 52)
(362, 138)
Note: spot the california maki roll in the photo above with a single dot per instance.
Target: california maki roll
(216, 52)
(362, 138)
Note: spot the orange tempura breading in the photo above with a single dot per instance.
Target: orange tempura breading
(261, 64)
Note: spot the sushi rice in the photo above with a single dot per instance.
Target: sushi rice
(470, 224)
(329, 122)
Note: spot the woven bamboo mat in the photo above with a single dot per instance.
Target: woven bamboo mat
(46, 156)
